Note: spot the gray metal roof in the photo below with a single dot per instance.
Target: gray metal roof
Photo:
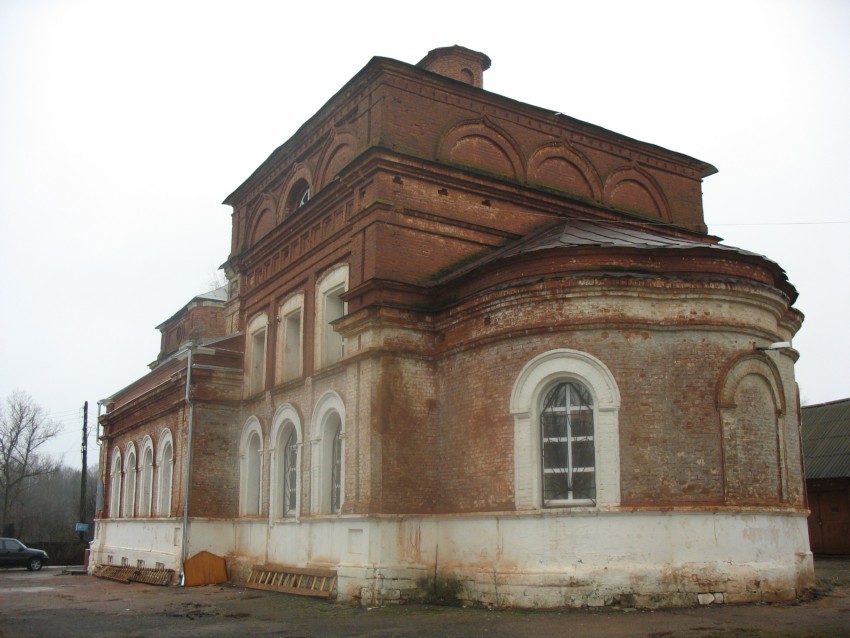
(581, 233)
(218, 294)
(578, 232)
(826, 439)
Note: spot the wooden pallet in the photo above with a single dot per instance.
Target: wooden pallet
(319, 583)
(114, 572)
(124, 574)
(162, 577)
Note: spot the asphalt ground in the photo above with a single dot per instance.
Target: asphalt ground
(53, 603)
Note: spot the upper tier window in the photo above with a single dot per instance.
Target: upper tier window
(299, 195)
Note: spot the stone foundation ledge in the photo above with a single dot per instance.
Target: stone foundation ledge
(502, 590)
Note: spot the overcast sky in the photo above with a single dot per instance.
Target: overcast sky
(124, 124)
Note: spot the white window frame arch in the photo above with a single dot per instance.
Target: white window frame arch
(329, 344)
(256, 350)
(115, 484)
(286, 421)
(146, 478)
(130, 481)
(323, 426)
(251, 469)
(165, 474)
(539, 376)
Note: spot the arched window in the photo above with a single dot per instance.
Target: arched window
(286, 484)
(166, 472)
(567, 447)
(330, 345)
(130, 483)
(298, 196)
(251, 469)
(145, 503)
(115, 485)
(565, 406)
(329, 457)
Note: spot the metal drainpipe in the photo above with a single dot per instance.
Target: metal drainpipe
(188, 483)
(99, 492)
(98, 502)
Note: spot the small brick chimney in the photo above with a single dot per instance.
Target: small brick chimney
(458, 63)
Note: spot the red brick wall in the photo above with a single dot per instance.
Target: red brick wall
(442, 174)
(215, 462)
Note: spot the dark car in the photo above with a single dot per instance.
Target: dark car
(13, 553)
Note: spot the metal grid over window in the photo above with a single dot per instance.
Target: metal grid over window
(567, 445)
(336, 474)
(290, 473)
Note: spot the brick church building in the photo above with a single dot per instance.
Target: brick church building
(471, 347)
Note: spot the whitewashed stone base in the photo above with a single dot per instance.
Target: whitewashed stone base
(544, 559)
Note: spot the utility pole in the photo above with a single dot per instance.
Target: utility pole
(84, 449)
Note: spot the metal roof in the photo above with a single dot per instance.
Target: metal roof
(217, 294)
(826, 439)
(577, 232)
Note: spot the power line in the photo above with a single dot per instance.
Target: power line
(61, 414)
(778, 223)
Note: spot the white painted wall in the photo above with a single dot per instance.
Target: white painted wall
(545, 559)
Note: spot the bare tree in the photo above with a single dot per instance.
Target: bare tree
(24, 428)
(50, 508)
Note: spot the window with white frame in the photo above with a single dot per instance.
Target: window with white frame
(330, 345)
(115, 485)
(328, 484)
(130, 483)
(146, 488)
(290, 338)
(566, 433)
(256, 353)
(565, 405)
(166, 472)
(285, 489)
(251, 469)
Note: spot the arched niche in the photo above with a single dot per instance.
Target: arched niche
(480, 144)
(337, 155)
(751, 403)
(635, 190)
(263, 220)
(563, 168)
